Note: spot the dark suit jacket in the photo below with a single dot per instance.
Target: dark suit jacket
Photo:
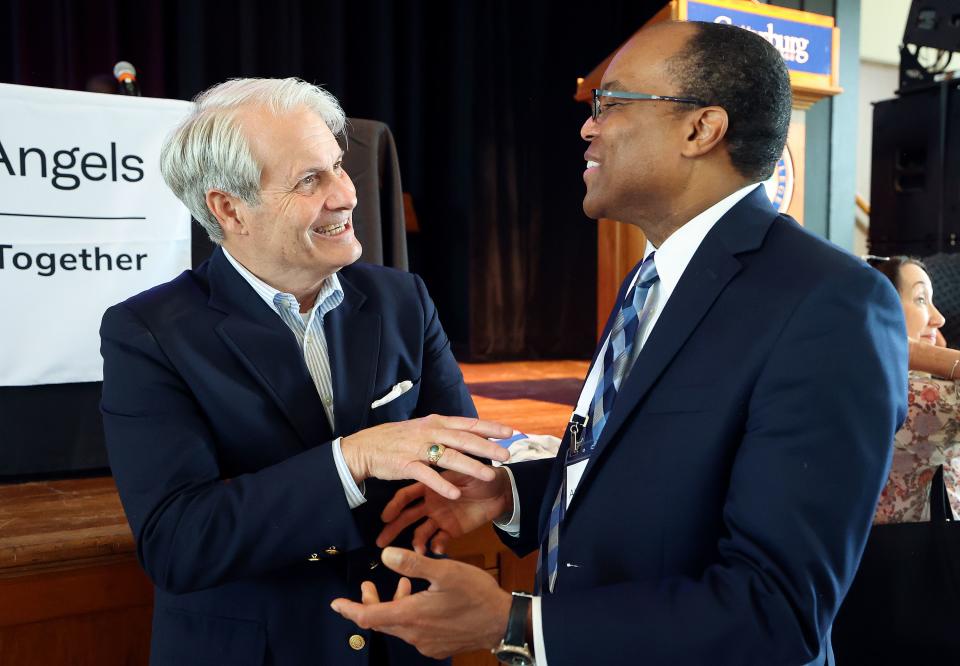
(221, 452)
(722, 516)
(378, 220)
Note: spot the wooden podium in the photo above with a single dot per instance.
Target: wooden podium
(71, 590)
(810, 44)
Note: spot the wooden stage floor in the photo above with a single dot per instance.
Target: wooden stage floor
(534, 397)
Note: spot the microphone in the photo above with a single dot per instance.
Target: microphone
(126, 75)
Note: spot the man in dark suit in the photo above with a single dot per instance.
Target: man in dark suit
(255, 407)
(714, 491)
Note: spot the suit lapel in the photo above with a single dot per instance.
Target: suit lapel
(711, 268)
(353, 343)
(267, 349)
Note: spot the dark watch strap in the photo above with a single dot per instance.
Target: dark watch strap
(517, 622)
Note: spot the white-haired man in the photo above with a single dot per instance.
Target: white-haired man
(257, 407)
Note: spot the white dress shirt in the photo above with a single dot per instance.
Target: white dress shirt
(307, 327)
(671, 261)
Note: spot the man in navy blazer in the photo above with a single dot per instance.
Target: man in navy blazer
(257, 408)
(721, 512)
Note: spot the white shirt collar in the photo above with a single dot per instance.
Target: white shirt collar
(671, 259)
(269, 294)
(675, 253)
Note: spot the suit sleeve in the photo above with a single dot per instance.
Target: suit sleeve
(532, 479)
(194, 528)
(813, 457)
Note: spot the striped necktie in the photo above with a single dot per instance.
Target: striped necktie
(618, 358)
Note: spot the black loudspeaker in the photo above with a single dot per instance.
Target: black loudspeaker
(915, 181)
(934, 23)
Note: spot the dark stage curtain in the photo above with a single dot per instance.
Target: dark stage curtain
(533, 252)
(479, 96)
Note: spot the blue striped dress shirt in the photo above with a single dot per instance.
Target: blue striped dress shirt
(307, 327)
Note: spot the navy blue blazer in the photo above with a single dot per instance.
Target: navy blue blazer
(723, 514)
(221, 452)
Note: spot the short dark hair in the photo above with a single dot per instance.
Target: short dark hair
(733, 68)
(890, 266)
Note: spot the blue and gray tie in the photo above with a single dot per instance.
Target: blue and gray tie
(618, 358)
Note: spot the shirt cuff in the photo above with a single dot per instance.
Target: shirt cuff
(539, 650)
(512, 526)
(354, 494)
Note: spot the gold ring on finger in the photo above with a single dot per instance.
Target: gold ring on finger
(434, 453)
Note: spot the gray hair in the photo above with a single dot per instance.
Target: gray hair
(209, 151)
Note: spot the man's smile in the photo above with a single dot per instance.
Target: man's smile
(335, 229)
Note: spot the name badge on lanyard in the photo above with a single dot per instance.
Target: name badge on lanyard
(578, 454)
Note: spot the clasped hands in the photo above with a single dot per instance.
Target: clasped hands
(464, 607)
(405, 450)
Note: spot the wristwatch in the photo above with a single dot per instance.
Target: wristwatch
(513, 649)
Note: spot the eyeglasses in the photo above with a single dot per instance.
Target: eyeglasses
(874, 260)
(622, 94)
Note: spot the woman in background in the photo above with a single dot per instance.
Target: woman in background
(930, 437)
(903, 607)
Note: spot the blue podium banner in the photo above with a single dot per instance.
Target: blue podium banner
(805, 47)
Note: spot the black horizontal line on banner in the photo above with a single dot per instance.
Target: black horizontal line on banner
(72, 217)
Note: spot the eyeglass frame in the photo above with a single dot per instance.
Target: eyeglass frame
(623, 94)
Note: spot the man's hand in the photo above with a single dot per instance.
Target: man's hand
(462, 610)
(400, 450)
(480, 502)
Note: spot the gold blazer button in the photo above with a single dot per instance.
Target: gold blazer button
(357, 642)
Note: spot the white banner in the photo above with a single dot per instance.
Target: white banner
(85, 222)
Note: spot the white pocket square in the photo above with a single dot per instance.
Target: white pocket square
(393, 394)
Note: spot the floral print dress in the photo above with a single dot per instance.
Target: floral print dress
(929, 438)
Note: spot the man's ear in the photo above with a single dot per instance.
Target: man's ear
(708, 126)
(225, 208)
